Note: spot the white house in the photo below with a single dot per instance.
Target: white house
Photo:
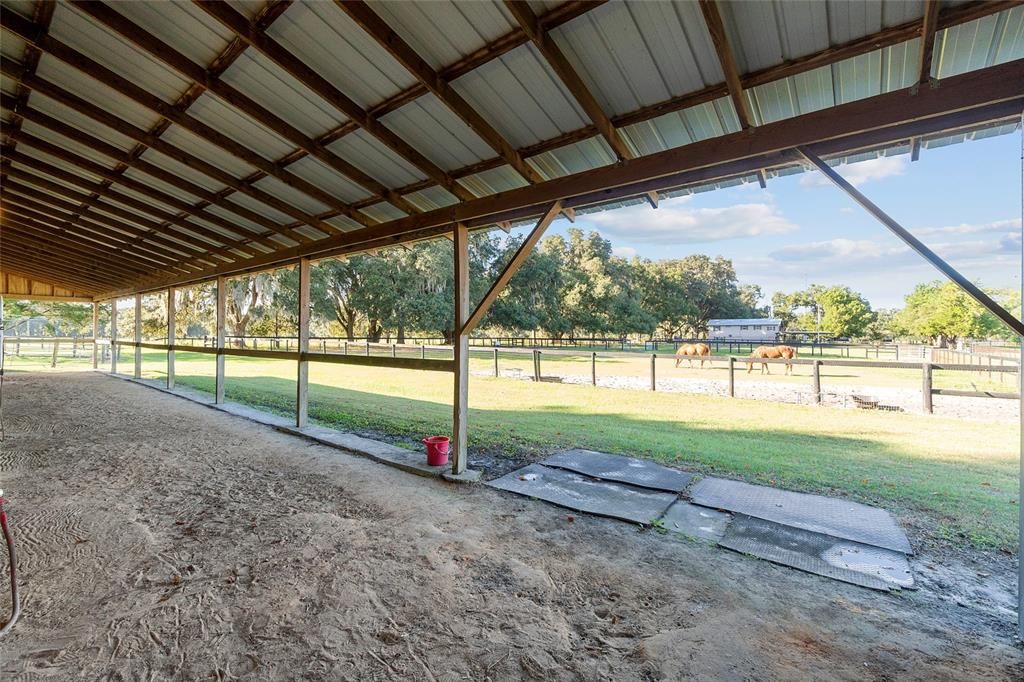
(764, 329)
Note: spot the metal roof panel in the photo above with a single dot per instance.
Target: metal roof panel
(430, 198)
(366, 152)
(313, 170)
(198, 147)
(181, 25)
(290, 195)
(160, 185)
(224, 118)
(80, 121)
(59, 140)
(273, 88)
(109, 49)
(574, 158)
(325, 38)
(522, 98)
(492, 181)
(437, 133)
(181, 170)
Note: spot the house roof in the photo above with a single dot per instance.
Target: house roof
(147, 144)
(745, 322)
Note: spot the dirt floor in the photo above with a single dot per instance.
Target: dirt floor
(160, 539)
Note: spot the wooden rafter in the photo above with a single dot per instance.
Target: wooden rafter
(556, 59)
(28, 31)
(231, 53)
(273, 50)
(387, 38)
(727, 60)
(202, 80)
(31, 282)
(928, 27)
(512, 267)
(80, 272)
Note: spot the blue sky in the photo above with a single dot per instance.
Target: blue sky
(963, 200)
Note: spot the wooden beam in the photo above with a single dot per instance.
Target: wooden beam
(917, 245)
(201, 79)
(305, 74)
(28, 31)
(716, 28)
(113, 336)
(138, 336)
(95, 334)
(929, 24)
(761, 179)
(460, 343)
(220, 315)
(83, 274)
(652, 198)
(990, 94)
(302, 375)
(378, 29)
(171, 335)
(512, 267)
(530, 24)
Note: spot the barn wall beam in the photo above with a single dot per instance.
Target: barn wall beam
(171, 335)
(113, 336)
(916, 244)
(928, 28)
(138, 336)
(302, 373)
(460, 344)
(727, 60)
(95, 334)
(220, 316)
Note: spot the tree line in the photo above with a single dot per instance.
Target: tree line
(569, 287)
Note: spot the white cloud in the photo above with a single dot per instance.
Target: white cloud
(676, 223)
(971, 228)
(846, 209)
(862, 172)
(624, 251)
(832, 250)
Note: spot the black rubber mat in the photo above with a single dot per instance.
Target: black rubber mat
(850, 562)
(695, 522)
(638, 472)
(818, 514)
(573, 491)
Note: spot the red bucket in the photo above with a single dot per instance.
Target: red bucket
(437, 450)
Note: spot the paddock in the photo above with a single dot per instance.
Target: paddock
(158, 154)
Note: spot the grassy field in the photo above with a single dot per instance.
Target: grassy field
(957, 480)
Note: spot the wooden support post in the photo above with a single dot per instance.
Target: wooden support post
(394, 350)
(56, 349)
(495, 362)
(138, 336)
(423, 352)
(732, 377)
(95, 334)
(222, 295)
(926, 386)
(654, 357)
(172, 333)
(113, 336)
(816, 381)
(302, 377)
(593, 369)
(460, 343)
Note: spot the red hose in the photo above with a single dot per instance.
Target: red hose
(15, 601)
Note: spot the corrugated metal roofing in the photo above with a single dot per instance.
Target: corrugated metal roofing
(117, 54)
(632, 55)
(318, 33)
(522, 98)
(271, 86)
(94, 92)
(366, 152)
(437, 133)
(442, 31)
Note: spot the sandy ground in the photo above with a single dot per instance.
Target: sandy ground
(163, 540)
(833, 395)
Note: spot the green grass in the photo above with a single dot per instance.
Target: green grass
(956, 480)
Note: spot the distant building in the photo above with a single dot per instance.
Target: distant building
(765, 329)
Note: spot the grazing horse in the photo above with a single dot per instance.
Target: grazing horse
(772, 352)
(692, 350)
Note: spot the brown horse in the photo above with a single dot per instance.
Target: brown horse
(772, 352)
(692, 350)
